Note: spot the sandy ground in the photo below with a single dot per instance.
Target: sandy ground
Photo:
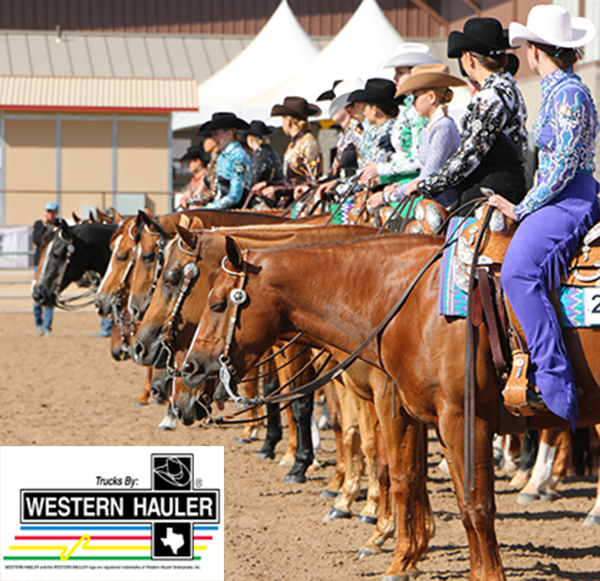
(66, 390)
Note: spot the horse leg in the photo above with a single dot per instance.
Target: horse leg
(250, 390)
(405, 448)
(274, 433)
(478, 512)
(284, 374)
(593, 517)
(529, 451)
(145, 395)
(302, 410)
(367, 419)
(541, 474)
(386, 522)
(352, 454)
(335, 415)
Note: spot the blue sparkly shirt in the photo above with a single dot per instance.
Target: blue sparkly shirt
(565, 132)
(234, 174)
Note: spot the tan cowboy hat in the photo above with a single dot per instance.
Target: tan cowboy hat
(552, 25)
(428, 77)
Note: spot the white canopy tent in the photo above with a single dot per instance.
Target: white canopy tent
(359, 50)
(280, 50)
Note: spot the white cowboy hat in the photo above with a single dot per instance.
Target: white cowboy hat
(552, 25)
(411, 54)
(342, 92)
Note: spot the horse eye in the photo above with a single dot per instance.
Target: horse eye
(218, 307)
(173, 275)
(122, 256)
(148, 257)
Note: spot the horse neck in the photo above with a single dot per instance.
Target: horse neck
(340, 293)
(93, 241)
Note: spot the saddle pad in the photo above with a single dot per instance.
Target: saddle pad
(580, 306)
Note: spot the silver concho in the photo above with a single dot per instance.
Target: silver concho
(190, 270)
(238, 296)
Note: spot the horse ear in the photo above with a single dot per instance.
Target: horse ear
(93, 219)
(64, 231)
(196, 224)
(188, 237)
(234, 253)
(184, 221)
(143, 218)
(148, 212)
(76, 218)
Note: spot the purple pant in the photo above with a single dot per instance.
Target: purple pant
(542, 247)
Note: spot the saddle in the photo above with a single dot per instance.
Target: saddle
(489, 304)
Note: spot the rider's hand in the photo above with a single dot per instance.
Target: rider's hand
(368, 172)
(502, 204)
(267, 192)
(375, 200)
(300, 190)
(411, 188)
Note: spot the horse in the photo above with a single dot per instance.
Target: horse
(339, 294)
(69, 253)
(206, 250)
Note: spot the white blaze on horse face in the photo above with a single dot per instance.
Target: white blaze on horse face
(46, 259)
(109, 270)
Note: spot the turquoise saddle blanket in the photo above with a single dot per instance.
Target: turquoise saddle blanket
(580, 306)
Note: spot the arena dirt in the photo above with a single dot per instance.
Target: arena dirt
(67, 390)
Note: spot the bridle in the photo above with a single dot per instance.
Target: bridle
(160, 259)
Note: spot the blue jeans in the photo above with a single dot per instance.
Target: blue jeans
(42, 320)
(106, 326)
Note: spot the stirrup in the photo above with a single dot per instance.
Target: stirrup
(517, 386)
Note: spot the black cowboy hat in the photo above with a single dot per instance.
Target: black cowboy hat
(225, 121)
(260, 129)
(376, 91)
(330, 94)
(296, 107)
(481, 35)
(196, 152)
(203, 131)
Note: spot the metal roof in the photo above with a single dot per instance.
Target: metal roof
(78, 54)
(98, 93)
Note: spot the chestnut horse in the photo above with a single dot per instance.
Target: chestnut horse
(339, 294)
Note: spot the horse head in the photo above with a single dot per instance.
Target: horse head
(114, 287)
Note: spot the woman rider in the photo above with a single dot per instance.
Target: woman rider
(561, 206)
(494, 138)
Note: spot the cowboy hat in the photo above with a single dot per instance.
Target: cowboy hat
(225, 121)
(258, 128)
(342, 94)
(428, 77)
(196, 152)
(481, 35)
(378, 91)
(329, 94)
(297, 107)
(552, 25)
(411, 54)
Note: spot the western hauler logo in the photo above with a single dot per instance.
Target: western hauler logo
(167, 516)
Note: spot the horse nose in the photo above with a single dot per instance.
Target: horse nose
(190, 371)
(37, 294)
(136, 312)
(101, 306)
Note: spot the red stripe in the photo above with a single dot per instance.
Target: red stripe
(92, 537)
(203, 538)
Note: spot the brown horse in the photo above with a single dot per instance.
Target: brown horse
(339, 294)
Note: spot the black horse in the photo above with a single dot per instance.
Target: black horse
(69, 253)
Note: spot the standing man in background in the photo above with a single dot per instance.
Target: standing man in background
(43, 324)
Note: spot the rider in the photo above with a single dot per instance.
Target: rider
(561, 206)
(429, 85)
(195, 194)
(303, 160)
(233, 164)
(494, 137)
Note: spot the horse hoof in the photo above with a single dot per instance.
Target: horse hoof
(266, 455)
(328, 494)
(367, 519)
(592, 520)
(527, 498)
(295, 479)
(365, 553)
(336, 514)
(137, 403)
(396, 578)
(243, 441)
(548, 496)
